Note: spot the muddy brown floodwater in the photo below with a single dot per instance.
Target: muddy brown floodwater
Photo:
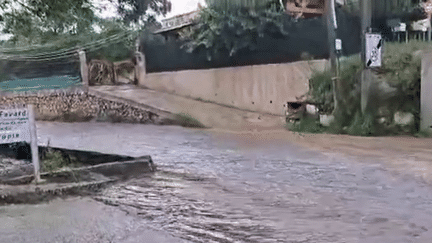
(214, 187)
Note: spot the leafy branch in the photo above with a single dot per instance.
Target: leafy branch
(218, 30)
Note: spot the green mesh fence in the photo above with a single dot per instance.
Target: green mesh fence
(23, 73)
(35, 84)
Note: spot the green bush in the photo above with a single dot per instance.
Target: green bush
(362, 125)
(306, 125)
(401, 69)
(321, 84)
(53, 161)
(321, 91)
(423, 134)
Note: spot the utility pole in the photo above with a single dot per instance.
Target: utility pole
(331, 23)
(84, 68)
(366, 76)
(366, 22)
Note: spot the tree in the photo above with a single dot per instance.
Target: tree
(32, 21)
(46, 26)
(135, 10)
(230, 26)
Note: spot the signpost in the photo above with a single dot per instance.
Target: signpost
(331, 22)
(17, 124)
(374, 43)
(338, 45)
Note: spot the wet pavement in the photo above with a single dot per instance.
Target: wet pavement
(215, 187)
(78, 220)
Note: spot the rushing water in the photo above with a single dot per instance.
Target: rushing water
(212, 188)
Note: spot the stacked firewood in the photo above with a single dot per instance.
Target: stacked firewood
(82, 106)
(103, 72)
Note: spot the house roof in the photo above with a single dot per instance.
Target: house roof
(177, 22)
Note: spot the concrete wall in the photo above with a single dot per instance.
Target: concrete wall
(263, 88)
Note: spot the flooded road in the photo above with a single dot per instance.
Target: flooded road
(215, 187)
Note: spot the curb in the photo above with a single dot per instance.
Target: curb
(139, 165)
(35, 194)
(16, 191)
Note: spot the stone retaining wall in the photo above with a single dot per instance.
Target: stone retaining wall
(79, 106)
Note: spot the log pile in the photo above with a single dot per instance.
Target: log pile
(125, 72)
(101, 72)
(81, 106)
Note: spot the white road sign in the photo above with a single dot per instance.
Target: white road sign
(17, 124)
(14, 125)
(374, 43)
(338, 44)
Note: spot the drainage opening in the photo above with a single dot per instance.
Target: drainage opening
(294, 105)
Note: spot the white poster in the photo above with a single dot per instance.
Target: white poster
(14, 125)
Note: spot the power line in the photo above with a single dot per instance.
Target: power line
(107, 40)
(12, 58)
(3, 49)
(69, 52)
(73, 49)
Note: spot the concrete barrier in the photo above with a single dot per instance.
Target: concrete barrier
(20, 190)
(261, 88)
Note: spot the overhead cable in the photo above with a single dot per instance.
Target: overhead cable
(70, 52)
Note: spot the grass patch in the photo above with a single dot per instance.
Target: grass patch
(423, 134)
(362, 125)
(186, 120)
(55, 160)
(306, 125)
